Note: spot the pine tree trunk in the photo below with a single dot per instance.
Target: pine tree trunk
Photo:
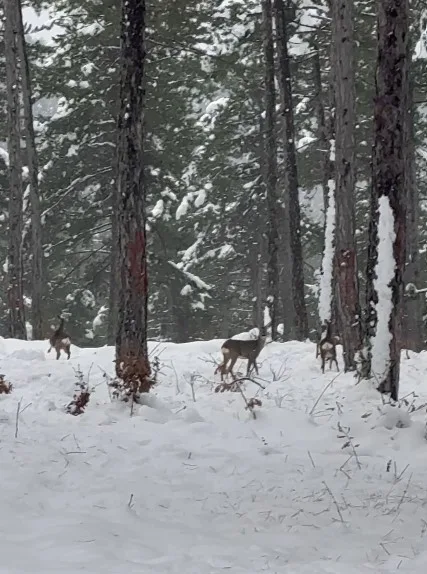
(36, 225)
(291, 174)
(390, 161)
(14, 270)
(132, 365)
(271, 168)
(412, 319)
(114, 268)
(345, 245)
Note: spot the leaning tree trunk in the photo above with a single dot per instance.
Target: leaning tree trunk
(15, 294)
(270, 168)
(36, 224)
(345, 244)
(412, 319)
(390, 173)
(132, 365)
(291, 173)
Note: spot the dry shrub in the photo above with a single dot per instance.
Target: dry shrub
(133, 378)
(5, 386)
(81, 396)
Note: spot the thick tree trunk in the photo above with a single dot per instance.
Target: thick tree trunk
(291, 173)
(36, 225)
(346, 276)
(132, 365)
(412, 319)
(390, 161)
(270, 168)
(14, 260)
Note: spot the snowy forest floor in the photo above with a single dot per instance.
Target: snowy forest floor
(200, 487)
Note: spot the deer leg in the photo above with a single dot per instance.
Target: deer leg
(68, 351)
(323, 363)
(232, 363)
(336, 362)
(58, 353)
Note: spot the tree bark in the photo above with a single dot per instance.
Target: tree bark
(346, 273)
(113, 296)
(31, 149)
(412, 319)
(271, 168)
(15, 295)
(291, 174)
(132, 365)
(390, 161)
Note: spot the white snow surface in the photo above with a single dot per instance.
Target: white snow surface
(200, 487)
(325, 284)
(384, 271)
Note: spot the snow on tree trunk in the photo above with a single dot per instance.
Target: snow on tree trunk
(15, 296)
(384, 275)
(291, 173)
(271, 167)
(325, 287)
(345, 244)
(36, 225)
(388, 182)
(113, 295)
(132, 365)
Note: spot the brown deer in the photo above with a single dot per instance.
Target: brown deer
(234, 349)
(326, 347)
(60, 341)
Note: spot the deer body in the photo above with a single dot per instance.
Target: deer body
(327, 348)
(60, 341)
(234, 349)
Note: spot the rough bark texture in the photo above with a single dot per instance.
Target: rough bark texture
(271, 168)
(32, 159)
(15, 288)
(349, 318)
(132, 365)
(390, 157)
(412, 318)
(291, 173)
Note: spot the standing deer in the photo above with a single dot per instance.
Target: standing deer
(327, 347)
(234, 349)
(60, 341)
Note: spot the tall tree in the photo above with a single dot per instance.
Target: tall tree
(32, 159)
(270, 167)
(15, 295)
(390, 165)
(132, 365)
(291, 172)
(349, 318)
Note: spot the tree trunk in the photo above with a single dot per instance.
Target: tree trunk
(291, 174)
(345, 245)
(33, 168)
(114, 268)
(15, 295)
(270, 168)
(412, 319)
(132, 365)
(390, 161)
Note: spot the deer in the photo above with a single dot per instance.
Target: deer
(326, 347)
(234, 349)
(60, 341)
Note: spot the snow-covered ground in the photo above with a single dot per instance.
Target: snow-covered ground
(200, 487)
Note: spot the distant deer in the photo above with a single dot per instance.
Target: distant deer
(326, 347)
(60, 341)
(234, 349)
